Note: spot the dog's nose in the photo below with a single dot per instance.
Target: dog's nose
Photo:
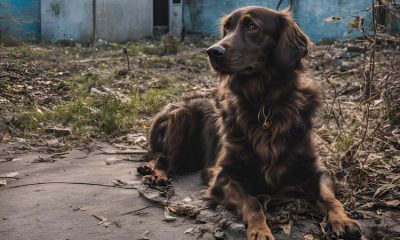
(216, 51)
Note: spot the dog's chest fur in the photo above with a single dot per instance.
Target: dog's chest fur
(273, 153)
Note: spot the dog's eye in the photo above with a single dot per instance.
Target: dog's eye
(252, 27)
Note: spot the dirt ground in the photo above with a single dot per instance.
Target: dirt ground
(73, 127)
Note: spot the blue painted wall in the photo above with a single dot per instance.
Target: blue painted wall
(310, 14)
(203, 15)
(20, 18)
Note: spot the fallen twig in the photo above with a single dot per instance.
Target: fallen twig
(143, 208)
(127, 151)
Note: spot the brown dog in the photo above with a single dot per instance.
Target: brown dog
(255, 136)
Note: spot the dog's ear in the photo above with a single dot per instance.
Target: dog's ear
(223, 24)
(293, 44)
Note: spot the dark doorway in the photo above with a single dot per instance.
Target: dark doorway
(161, 16)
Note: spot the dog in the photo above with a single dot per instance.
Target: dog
(254, 138)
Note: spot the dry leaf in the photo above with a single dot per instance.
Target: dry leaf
(287, 228)
(309, 236)
(6, 136)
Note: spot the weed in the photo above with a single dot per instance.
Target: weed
(81, 84)
(170, 44)
(29, 119)
(157, 62)
(346, 138)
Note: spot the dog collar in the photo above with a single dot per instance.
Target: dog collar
(263, 118)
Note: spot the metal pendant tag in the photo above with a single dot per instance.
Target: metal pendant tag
(266, 124)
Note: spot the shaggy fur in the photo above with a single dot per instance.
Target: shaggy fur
(259, 63)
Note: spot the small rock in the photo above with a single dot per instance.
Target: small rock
(187, 200)
(3, 183)
(53, 142)
(141, 141)
(345, 66)
(21, 140)
(130, 137)
(168, 217)
(112, 160)
(189, 230)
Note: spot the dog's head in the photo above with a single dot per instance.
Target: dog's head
(257, 38)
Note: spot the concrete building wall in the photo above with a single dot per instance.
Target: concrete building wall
(203, 15)
(176, 18)
(67, 19)
(20, 18)
(123, 20)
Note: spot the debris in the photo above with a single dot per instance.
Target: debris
(237, 228)
(219, 234)
(127, 151)
(10, 175)
(146, 236)
(189, 231)
(122, 183)
(3, 183)
(183, 210)
(134, 158)
(8, 159)
(113, 160)
(53, 142)
(155, 195)
(59, 155)
(6, 137)
(41, 159)
(167, 216)
(333, 19)
(103, 220)
(95, 91)
(59, 132)
(141, 141)
(287, 228)
(309, 236)
(393, 203)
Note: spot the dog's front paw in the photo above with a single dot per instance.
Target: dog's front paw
(343, 227)
(158, 178)
(145, 170)
(259, 232)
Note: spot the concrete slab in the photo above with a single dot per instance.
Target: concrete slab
(65, 211)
